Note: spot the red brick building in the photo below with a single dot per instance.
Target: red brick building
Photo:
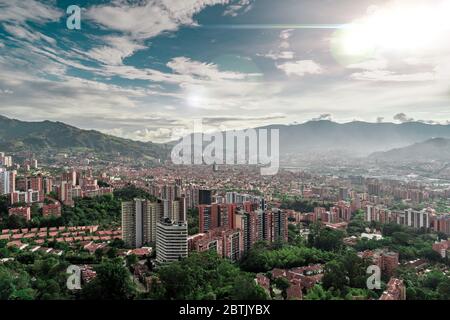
(387, 261)
(24, 212)
(442, 223)
(442, 247)
(396, 290)
(52, 209)
(216, 216)
(227, 243)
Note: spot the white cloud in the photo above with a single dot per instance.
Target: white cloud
(6, 91)
(284, 52)
(159, 134)
(282, 55)
(300, 68)
(403, 118)
(390, 76)
(19, 11)
(116, 50)
(324, 116)
(186, 72)
(186, 66)
(372, 64)
(140, 21)
(286, 34)
(148, 18)
(147, 133)
(241, 7)
(22, 32)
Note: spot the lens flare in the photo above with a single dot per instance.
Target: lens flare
(396, 29)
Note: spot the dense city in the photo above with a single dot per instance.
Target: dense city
(163, 231)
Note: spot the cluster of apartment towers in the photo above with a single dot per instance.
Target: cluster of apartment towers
(163, 222)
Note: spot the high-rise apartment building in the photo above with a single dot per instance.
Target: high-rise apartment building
(414, 219)
(12, 180)
(216, 216)
(343, 194)
(5, 160)
(379, 214)
(27, 197)
(192, 196)
(374, 188)
(248, 224)
(139, 219)
(442, 224)
(179, 210)
(204, 197)
(70, 176)
(4, 182)
(64, 191)
(279, 225)
(171, 241)
(205, 217)
(232, 244)
(170, 193)
(256, 202)
(227, 243)
(35, 183)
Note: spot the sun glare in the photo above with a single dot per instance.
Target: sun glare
(196, 96)
(397, 29)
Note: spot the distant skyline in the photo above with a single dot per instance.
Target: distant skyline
(138, 69)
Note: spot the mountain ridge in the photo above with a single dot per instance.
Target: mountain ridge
(17, 135)
(436, 149)
(359, 138)
(320, 137)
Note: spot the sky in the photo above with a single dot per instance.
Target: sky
(141, 69)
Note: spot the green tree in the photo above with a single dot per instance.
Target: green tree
(282, 284)
(444, 289)
(433, 279)
(132, 259)
(204, 275)
(244, 288)
(113, 282)
(325, 238)
(318, 293)
(15, 284)
(335, 276)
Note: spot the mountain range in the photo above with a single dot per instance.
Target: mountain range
(354, 138)
(16, 135)
(437, 149)
(314, 137)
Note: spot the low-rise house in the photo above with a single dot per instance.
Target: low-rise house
(396, 290)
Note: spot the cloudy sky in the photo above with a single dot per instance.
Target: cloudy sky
(138, 69)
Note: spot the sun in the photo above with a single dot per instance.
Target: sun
(400, 28)
(196, 96)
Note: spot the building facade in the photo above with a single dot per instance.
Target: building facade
(171, 241)
(139, 219)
